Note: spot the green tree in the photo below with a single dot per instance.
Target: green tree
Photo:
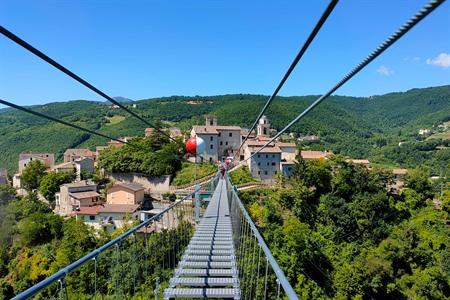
(32, 175)
(50, 183)
(417, 179)
(7, 193)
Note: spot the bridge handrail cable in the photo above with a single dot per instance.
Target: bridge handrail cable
(288, 289)
(92, 255)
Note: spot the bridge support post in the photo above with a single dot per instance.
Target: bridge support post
(197, 203)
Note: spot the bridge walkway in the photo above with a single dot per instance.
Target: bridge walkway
(208, 267)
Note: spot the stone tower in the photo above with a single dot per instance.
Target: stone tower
(211, 121)
(263, 128)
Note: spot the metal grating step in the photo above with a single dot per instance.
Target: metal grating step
(228, 258)
(207, 264)
(209, 242)
(200, 238)
(210, 247)
(213, 281)
(207, 252)
(206, 272)
(202, 293)
(209, 235)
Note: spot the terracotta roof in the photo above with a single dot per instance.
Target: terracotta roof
(274, 149)
(80, 184)
(315, 154)
(199, 129)
(84, 195)
(119, 208)
(205, 129)
(66, 165)
(131, 186)
(222, 127)
(253, 143)
(35, 155)
(88, 210)
(83, 158)
(281, 144)
(79, 152)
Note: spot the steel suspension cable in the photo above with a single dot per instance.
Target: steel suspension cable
(63, 69)
(41, 115)
(419, 16)
(294, 63)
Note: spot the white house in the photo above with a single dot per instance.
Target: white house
(108, 216)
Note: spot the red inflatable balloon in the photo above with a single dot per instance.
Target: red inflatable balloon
(195, 145)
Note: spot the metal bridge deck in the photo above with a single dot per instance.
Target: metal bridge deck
(208, 267)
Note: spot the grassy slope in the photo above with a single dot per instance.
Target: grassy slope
(190, 172)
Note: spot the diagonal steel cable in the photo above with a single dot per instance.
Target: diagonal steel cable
(294, 63)
(419, 16)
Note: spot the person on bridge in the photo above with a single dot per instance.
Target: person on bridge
(222, 170)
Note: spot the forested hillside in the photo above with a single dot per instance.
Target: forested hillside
(338, 233)
(369, 127)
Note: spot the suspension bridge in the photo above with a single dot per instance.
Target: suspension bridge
(187, 251)
(212, 252)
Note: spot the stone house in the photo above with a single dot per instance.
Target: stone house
(70, 155)
(78, 165)
(220, 141)
(47, 159)
(72, 196)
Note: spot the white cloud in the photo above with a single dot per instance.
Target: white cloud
(442, 60)
(385, 71)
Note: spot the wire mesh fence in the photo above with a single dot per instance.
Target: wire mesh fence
(137, 263)
(260, 276)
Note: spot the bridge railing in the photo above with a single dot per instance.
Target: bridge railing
(138, 262)
(260, 275)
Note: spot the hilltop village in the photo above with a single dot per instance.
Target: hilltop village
(120, 198)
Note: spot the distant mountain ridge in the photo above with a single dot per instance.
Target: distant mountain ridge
(361, 127)
(121, 99)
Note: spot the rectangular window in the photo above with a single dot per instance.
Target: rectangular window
(226, 143)
(220, 133)
(211, 146)
(221, 143)
(259, 156)
(273, 164)
(267, 155)
(265, 172)
(230, 134)
(92, 218)
(267, 163)
(259, 172)
(259, 164)
(275, 172)
(273, 155)
(211, 138)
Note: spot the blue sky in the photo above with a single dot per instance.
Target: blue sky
(142, 49)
